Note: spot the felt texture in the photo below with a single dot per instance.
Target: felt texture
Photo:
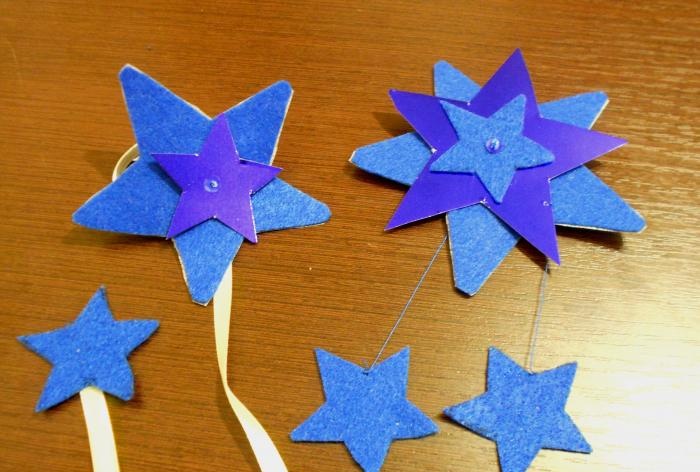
(493, 148)
(578, 197)
(91, 351)
(143, 200)
(366, 410)
(400, 159)
(522, 412)
(215, 184)
(478, 243)
(450, 82)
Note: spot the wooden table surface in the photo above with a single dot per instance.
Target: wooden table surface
(624, 307)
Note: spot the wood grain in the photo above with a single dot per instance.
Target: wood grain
(625, 307)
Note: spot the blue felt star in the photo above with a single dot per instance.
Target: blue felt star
(91, 351)
(366, 410)
(522, 412)
(493, 148)
(144, 199)
(479, 240)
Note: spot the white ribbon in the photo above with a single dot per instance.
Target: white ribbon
(99, 428)
(266, 453)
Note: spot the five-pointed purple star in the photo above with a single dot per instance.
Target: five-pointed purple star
(215, 184)
(526, 207)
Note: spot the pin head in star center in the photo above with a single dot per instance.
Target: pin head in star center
(481, 139)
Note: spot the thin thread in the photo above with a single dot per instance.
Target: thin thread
(408, 303)
(538, 316)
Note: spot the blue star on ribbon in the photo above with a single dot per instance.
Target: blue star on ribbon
(522, 412)
(144, 199)
(480, 240)
(91, 351)
(366, 410)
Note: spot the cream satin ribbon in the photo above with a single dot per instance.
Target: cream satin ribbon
(99, 428)
(103, 448)
(267, 455)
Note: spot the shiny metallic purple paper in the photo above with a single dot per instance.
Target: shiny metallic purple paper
(216, 183)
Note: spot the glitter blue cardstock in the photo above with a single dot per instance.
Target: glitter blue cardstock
(143, 199)
(366, 410)
(479, 240)
(90, 351)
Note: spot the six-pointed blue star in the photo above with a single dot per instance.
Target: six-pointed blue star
(366, 410)
(91, 351)
(479, 239)
(522, 412)
(144, 199)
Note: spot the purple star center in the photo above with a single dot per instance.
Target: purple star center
(216, 184)
(211, 185)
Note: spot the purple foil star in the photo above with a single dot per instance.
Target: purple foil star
(526, 202)
(216, 183)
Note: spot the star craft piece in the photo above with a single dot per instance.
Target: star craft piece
(522, 412)
(89, 357)
(499, 165)
(366, 410)
(206, 183)
(91, 351)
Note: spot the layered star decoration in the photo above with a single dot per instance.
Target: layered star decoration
(366, 410)
(91, 351)
(216, 184)
(522, 412)
(205, 183)
(499, 165)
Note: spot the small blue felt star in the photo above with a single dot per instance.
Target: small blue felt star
(91, 351)
(144, 199)
(366, 410)
(522, 412)
(493, 148)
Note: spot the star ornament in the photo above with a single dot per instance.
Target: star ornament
(499, 165)
(366, 410)
(216, 184)
(522, 412)
(91, 351)
(206, 183)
